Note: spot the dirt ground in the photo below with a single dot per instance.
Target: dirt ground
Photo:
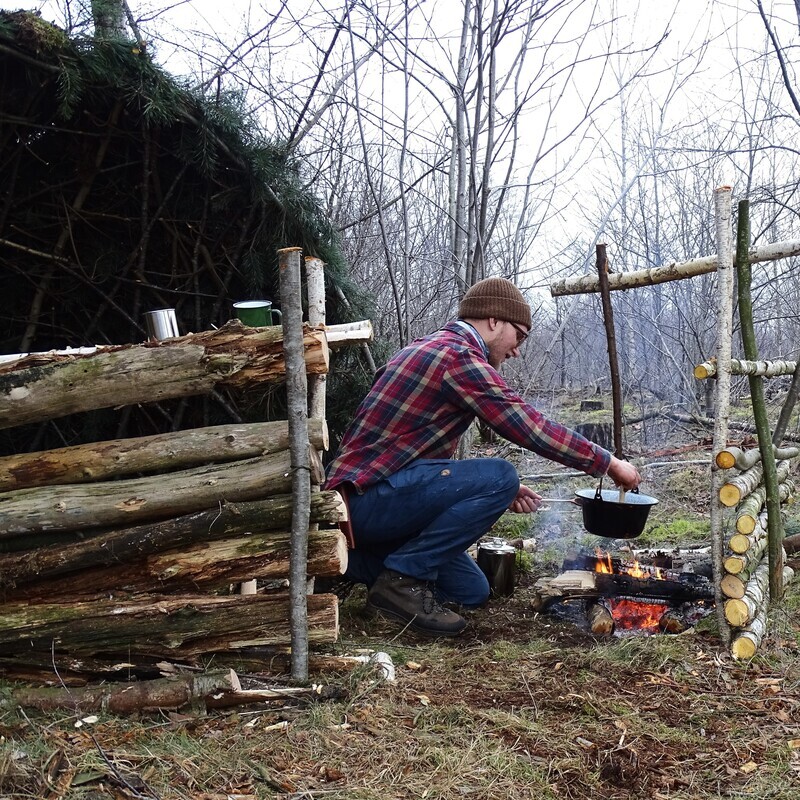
(522, 705)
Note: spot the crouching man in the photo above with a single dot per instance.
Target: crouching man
(414, 510)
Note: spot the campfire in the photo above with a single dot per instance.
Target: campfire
(627, 597)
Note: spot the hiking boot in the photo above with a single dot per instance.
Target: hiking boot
(413, 601)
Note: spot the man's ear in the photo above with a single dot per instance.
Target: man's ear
(493, 323)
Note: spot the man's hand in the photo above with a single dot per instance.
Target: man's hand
(624, 474)
(526, 501)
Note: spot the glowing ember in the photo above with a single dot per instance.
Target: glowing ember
(635, 615)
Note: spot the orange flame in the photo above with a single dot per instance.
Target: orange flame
(635, 570)
(603, 563)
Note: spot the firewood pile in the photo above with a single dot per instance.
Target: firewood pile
(753, 494)
(135, 548)
(746, 577)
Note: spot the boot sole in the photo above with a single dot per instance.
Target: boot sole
(411, 623)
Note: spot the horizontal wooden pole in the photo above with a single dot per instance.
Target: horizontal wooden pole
(172, 627)
(129, 502)
(206, 566)
(107, 548)
(117, 458)
(588, 283)
(235, 356)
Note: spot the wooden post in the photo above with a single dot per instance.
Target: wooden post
(770, 473)
(722, 216)
(296, 402)
(613, 363)
(315, 282)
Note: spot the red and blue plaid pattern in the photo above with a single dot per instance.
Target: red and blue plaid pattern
(427, 396)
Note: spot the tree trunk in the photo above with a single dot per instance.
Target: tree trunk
(211, 565)
(756, 383)
(100, 461)
(297, 408)
(748, 639)
(108, 548)
(744, 605)
(745, 563)
(109, 19)
(115, 503)
(611, 342)
(724, 266)
(171, 627)
(234, 356)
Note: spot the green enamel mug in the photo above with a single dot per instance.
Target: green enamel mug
(256, 313)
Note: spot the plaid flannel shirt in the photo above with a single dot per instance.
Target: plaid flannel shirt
(425, 398)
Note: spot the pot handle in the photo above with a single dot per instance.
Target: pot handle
(598, 492)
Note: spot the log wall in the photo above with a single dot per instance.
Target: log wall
(132, 548)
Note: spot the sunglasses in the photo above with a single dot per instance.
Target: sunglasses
(522, 334)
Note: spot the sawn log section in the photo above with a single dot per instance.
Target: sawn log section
(233, 356)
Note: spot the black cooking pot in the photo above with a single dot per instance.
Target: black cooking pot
(604, 514)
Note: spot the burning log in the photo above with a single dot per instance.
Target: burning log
(744, 609)
(129, 544)
(745, 459)
(599, 617)
(148, 454)
(614, 577)
(234, 356)
(673, 621)
(170, 627)
(749, 509)
(745, 483)
(108, 504)
(210, 565)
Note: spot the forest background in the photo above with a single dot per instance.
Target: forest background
(451, 140)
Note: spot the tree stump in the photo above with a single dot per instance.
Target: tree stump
(599, 432)
(592, 405)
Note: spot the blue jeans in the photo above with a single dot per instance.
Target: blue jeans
(421, 520)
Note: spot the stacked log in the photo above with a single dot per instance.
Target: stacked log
(745, 581)
(131, 547)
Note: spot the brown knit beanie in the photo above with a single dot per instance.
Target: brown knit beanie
(498, 298)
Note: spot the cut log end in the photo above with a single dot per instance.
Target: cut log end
(732, 586)
(725, 459)
(736, 612)
(743, 647)
(730, 495)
